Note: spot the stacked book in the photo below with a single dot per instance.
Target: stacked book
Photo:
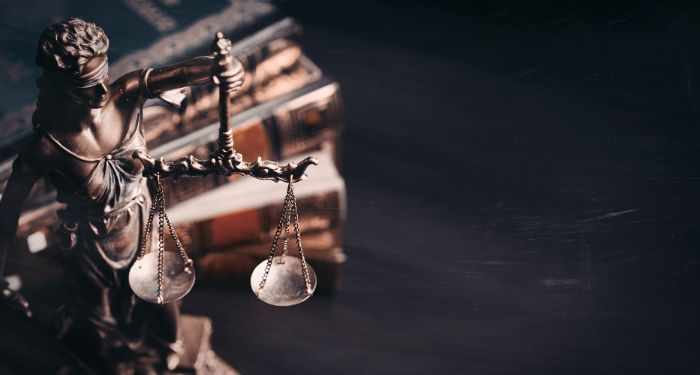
(286, 110)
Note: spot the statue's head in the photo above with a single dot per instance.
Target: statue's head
(73, 54)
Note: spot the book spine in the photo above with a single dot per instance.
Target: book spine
(305, 123)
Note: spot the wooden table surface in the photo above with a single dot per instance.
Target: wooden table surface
(523, 195)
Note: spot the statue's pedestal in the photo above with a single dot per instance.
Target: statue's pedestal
(28, 347)
(197, 356)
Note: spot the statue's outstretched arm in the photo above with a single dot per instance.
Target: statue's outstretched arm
(195, 71)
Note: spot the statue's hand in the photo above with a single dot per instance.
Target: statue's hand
(231, 75)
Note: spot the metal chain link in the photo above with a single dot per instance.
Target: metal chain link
(158, 204)
(297, 232)
(289, 211)
(161, 239)
(173, 234)
(149, 227)
(285, 242)
(275, 240)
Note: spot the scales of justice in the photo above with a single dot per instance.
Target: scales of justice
(89, 143)
(164, 276)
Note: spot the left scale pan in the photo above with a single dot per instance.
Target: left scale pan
(178, 277)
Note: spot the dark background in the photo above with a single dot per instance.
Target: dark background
(523, 187)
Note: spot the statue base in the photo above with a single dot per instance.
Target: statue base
(27, 347)
(197, 357)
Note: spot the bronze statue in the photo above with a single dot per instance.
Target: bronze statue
(87, 130)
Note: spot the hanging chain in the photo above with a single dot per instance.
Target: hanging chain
(289, 212)
(295, 212)
(161, 240)
(176, 239)
(158, 205)
(149, 227)
(275, 240)
(285, 242)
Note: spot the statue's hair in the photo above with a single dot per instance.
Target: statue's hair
(67, 45)
(64, 47)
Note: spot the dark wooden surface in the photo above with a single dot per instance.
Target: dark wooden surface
(523, 195)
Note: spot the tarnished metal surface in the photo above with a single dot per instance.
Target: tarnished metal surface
(285, 285)
(178, 278)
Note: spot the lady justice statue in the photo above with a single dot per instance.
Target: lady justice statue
(87, 131)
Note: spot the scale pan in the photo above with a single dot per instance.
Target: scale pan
(285, 285)
(177, 281)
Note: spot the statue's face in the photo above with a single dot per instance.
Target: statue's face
(95, 96)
